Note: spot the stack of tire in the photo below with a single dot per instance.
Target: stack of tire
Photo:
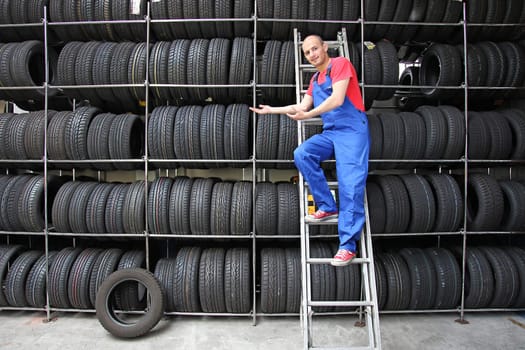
(23, 65)
(75, 275)
(209, 280)
(211, 132)
(22, 201)
(414, 203)
(490, 64)
(430, 278)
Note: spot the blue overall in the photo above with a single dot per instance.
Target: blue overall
(345, 135)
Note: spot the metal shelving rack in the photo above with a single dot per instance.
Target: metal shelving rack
(255, 165)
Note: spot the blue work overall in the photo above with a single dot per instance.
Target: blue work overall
(345, 135)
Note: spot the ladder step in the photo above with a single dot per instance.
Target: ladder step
(320, 261)
(324, 222)
(340, 303)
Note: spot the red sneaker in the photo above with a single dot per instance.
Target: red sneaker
(321, 216)
(342, 258)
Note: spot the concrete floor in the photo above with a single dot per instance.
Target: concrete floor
(26, 330)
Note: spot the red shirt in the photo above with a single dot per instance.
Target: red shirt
(341, 69)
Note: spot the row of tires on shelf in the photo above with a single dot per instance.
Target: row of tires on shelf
(434, 203)
(195, 280)
(451, 11)
(432, 132)
(209, 206)
(216, 61)
(489, 64)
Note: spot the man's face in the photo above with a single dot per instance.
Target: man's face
(314, 51)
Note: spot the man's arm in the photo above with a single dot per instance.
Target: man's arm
(305, 105)
(336, 99)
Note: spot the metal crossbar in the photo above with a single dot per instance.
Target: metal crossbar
(367, 306)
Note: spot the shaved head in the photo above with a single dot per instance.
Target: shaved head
(316, 51)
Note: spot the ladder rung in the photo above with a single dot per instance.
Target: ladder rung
(320, 261)
(324, 222)
(330, 183)
(340, 303)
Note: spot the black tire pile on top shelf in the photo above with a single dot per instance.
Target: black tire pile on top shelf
(211, 280)
(277, 209)
(200, 206)
(490, 64)
(414, 203)
(22, 201)
(213, 132)
(88, 133)
(98, 10)
(75, 274)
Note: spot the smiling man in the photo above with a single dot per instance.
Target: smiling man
(334, 95)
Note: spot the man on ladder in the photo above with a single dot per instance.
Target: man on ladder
(333, 94)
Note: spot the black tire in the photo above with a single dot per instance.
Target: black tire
(513, 202)
(293, 280)
(422, 203)
(485, 204)
(98, 139)
(506, 278)
(177, 69)
(398, 282)
(389, 64)
(237, 280)
(440, 66)
(266, 208)
(59, 275)
(479, 280)
(186, 286)
(323, 277)
(273, 280)
(76, 132)
(376, 137)
(396, 203)
(34, 134)
(241, 68)
(165, 274)
(348, 282)
(220, 208)
(158, 205)
(78, 282)
(200, 206)
(9, 204)
(60, 207)
(8, 255)
(119, 75)
(449, 203)
(158, 70)
(373, 72)
(270, 69)
(381, 282)
(437, 133)
(114, 215)
(161, 134)
(414, 135)
(77, 208)
(211, 280)
(212, 134)
(241, 208)
(105, 264)
(196, 73)
(35, 285)
(31, 205)
(115, 323)
(448, 278)
(376, 207)
(393, 143)
(218, 68)
(516, 120)
(500, 135)
(179, 30)
(130, 296)
(266, 141)
(242, 9)
(159, 10)
(96, 207)
(478, 137)
(288, 222)
(237, 133)
(518, 257)
(286, 75)
(126, 140)
(179, 209)
(455, 120)
(15, 280)
(56, 143)
(186, 142)
(422, 278)
(133, 213)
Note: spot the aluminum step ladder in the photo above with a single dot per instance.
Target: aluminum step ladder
(367, 306)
